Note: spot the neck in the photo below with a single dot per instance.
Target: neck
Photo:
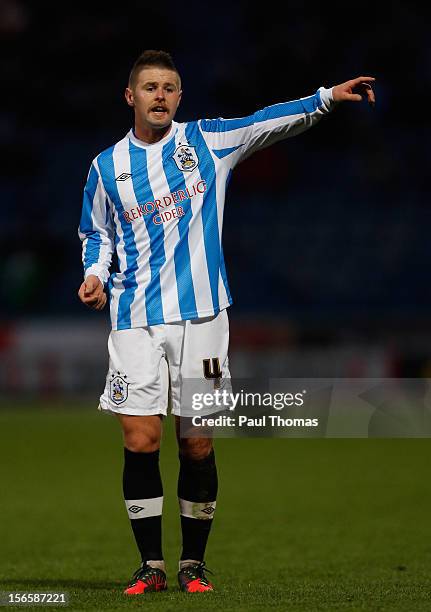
(151, 135)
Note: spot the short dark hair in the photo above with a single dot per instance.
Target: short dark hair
(160, 59)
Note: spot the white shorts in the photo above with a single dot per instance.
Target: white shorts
(151, 367)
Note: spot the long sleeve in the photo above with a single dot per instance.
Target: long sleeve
(239, 138)
(96, 229)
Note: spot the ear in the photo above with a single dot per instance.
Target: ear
(128, 94)
(179, 97)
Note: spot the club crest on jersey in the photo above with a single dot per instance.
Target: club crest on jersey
(118, 389)
(186, 158)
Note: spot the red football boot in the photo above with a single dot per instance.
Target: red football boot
(192, 579)
(146, 580)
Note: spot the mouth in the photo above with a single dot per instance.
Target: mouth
(159, 111)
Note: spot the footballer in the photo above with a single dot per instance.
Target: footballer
(156, 199)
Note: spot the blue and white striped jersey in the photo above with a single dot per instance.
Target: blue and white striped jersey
(160, 206)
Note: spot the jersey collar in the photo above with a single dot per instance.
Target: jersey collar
(155, 145)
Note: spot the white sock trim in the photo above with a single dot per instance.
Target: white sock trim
(143, 508)
(197, 510)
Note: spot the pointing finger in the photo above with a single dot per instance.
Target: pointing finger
(363, 79)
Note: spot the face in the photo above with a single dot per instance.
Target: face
(155, 97)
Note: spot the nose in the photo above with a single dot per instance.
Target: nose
(160, 93)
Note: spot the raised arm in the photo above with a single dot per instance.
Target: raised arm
(239, 138)
(97, 236)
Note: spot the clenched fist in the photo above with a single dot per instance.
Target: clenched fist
(91, 293)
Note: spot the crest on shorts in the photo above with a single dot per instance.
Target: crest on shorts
(186, 158)
(118, 389)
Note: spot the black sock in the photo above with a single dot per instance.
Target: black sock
(143, 493)
(197, 492)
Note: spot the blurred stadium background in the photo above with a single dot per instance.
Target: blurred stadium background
(326, 242)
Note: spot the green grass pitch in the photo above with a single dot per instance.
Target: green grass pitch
(300, 524)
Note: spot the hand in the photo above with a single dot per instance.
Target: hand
(91, 293)
(351, 90)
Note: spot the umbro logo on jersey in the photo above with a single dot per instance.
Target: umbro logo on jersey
(135, 509)
(123, 177)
